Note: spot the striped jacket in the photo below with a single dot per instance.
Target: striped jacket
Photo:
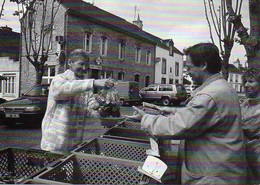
(63, 123)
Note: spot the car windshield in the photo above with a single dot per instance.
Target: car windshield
(38, 91)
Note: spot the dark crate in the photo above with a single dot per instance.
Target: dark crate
(115, 148)
(110, 121)
(130, 125)
(93, 169)
(17, 164)
(127, 134)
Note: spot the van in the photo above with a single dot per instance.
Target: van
(128, 92)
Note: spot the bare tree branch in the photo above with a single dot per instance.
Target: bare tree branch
(2, 9)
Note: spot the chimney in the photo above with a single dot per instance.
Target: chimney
(138, 22)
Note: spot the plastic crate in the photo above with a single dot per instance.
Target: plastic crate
(17, 164)
(94, 169)
(130, 125)
(115, 148)
(127, 134)
(110, 121)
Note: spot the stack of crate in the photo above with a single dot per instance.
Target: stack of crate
(112, 158)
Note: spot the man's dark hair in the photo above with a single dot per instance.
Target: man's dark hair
(251, 73)
(78, 53)
(205, 53)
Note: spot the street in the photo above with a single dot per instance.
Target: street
(24, 137)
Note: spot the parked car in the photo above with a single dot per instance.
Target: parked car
(164, 93)
(29, 108)
(128, 92)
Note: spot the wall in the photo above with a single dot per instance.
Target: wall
(10, 69)
(171, 61)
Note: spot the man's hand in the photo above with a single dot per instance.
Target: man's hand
(149, 105)
(137, 115)
(104, 83)
(163, 110)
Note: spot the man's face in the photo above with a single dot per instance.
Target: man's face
(196, 72)
(79, 67)
(252, 87)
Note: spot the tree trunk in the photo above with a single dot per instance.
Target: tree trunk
(254, 14)
(39, 73)
(251, 42)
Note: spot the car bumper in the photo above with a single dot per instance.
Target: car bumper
(21, 117)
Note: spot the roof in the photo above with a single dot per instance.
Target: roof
(89, 11)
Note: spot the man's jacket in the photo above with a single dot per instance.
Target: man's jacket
(210, 124)
(63, 123)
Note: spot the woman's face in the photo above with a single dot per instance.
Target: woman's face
(252, 87)
(79, 67)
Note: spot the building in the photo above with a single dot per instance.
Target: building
(117, 48)
(235, 76)
(9, 63)
(169, 63)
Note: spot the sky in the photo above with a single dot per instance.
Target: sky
(183, 21)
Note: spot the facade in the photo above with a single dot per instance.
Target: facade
(235, 77)
(117, 48)
(9, 63)
(169, 63)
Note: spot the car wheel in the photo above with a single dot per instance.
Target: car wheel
(166, 101)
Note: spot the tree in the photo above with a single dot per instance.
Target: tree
(249, 41)
(2, 9)
(225, 31)
(36, 20)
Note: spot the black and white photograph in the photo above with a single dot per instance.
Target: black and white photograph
(135, 92)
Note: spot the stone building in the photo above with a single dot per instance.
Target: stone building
(117, 48)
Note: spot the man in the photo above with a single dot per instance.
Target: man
(210, 124)
(63, 123)
(250, 108)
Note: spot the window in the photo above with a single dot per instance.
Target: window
(121, 76)
(164, 66)
(170, 69)
(148, 57)
(48, 75)
(147, 81)
(165, 88)
(177, 66)
(176, 81)
(231, 78)
(138, 54)
(170, 81)
(88, 42)
(47, 39)
(121, 50)
(106, 74)
(152, 88)
(103, 46)
(137, 78)
(163, 81)
(9, 84)
(236, 78)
